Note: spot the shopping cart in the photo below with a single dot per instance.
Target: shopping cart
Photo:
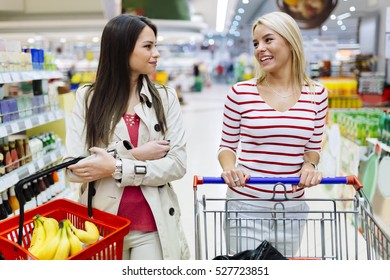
(16, 232)
(332, 229)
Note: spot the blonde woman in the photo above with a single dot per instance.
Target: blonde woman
(272, 127)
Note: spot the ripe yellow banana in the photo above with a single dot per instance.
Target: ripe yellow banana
(50, 225)
(75, 243)
(63, 248)
(89, 235)
(49, 248)
(38, 235)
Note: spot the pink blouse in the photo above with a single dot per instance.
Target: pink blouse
(133, 204)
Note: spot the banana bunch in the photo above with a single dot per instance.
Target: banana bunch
(53, 240)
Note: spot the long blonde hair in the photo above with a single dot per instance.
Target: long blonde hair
(286, 27)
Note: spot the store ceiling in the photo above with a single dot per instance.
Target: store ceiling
(83, 20)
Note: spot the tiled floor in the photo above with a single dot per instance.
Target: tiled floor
(203, 119)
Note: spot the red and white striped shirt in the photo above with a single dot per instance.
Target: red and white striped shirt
(269, 143)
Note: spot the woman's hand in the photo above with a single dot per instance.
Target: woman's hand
(235, 177)
(151, 150)
(100, 165)
(309, 176)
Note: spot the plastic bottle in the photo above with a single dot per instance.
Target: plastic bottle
(7, 206)
(3, 211)
(13, 201)
(14, 155)
(7, 159)
(20, 151)
(27, 150)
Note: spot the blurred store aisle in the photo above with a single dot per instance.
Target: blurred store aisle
(203, 121)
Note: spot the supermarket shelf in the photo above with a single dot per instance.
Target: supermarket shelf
(24, 76)
(383, 146)
(10, 179)
(16, 126)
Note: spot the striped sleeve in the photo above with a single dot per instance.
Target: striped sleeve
(321, 104)
(231, 122)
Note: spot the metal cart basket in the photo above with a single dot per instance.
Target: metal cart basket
(16, 232)
(331, 229)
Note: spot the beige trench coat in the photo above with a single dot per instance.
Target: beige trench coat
(155, 184)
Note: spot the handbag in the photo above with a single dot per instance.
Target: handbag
(265, 251)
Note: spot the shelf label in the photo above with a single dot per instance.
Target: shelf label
(7, 78)
(50, 115)
(53, 157)
(31, 169)
(28, 123)
(16, 77)
(41, 119)
(15, 127)
(3, 131)
(41, 163)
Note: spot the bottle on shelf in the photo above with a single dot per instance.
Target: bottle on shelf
(3, 210)
(37, 192)
(13, 201)
(20, 151)
(14, 154)
(4, 196)
(27, 150)
(7, 159)
(2, 164)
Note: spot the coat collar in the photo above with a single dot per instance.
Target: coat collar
(121, 129)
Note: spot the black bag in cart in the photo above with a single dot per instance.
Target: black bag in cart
(265, 251)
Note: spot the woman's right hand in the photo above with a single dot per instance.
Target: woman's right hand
(151, 150)
(235, 177)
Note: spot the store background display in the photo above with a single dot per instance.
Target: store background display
(347, 58)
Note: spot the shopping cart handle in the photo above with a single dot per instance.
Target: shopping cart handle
(348, 180)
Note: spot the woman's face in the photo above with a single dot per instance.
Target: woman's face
(143, 60)
(271, 50)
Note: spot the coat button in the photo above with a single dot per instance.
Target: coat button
(148, 103)
(171, 211)
(157, 127)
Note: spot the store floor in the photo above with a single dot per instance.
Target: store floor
(202, 113)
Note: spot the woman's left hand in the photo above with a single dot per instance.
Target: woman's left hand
(309, 177)
(100, 165)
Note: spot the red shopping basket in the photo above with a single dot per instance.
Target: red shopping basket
(112, 229)
(16, 232)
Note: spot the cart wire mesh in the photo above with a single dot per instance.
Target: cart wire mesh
(331, 229)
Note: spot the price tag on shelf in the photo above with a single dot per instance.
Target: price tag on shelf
(28, 123)
(41, 163)
(31, 169)
(15, 127)
(7, 77)
(51, 117)
(16, 77)
(3, 131)
(58, 114)
(10, 179)
(53, 157)
(41, 119)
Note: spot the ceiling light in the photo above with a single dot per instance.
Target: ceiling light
(344, 16)
(245, 1)
(333, 17)
(324, 28)
(237, 17)
(339, 22)
(343, 27)
(352, 8)
(221, 15)
(241, 11)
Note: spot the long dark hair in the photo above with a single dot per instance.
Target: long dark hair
(108, 97)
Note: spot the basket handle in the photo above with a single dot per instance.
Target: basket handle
(19, 189)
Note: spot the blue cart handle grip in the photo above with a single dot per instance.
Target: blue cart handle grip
(348, 180)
